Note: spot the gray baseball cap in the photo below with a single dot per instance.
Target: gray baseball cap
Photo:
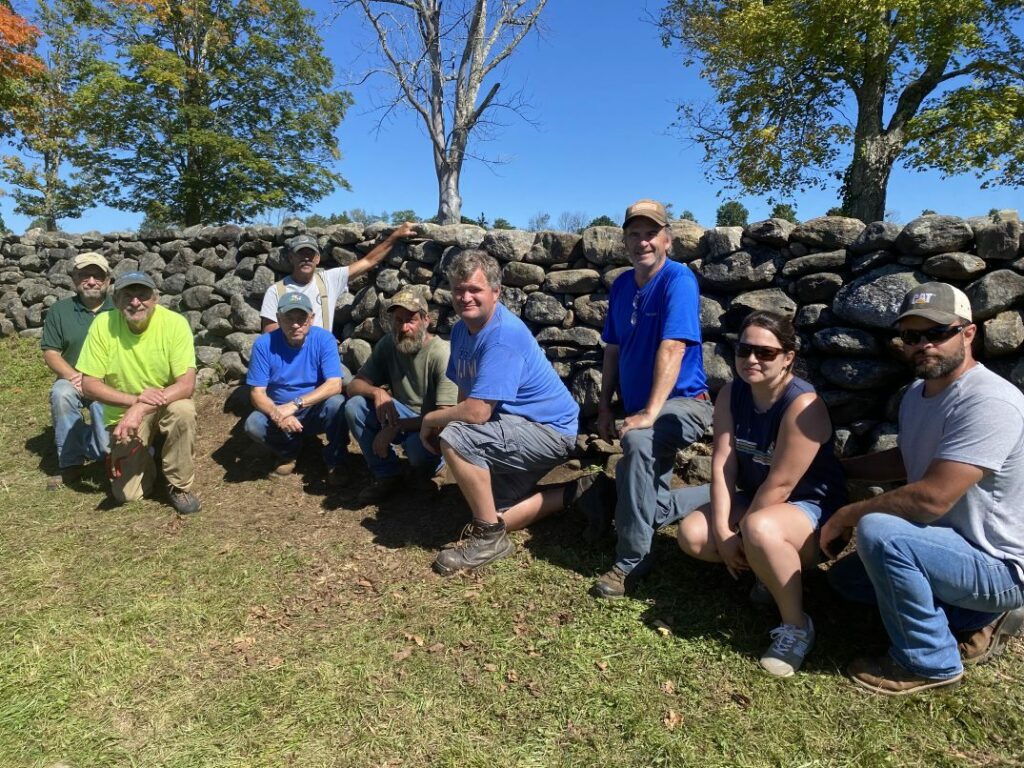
(133, 278)
(294, 300)
(302, 243)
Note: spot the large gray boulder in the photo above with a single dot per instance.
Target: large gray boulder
(719, 242)
(874, 299)
(686, 238)
(876, 236)
(861, 373)
(575, 281)
(846, 341)
(997, 236)
(508, 244)
(953, 266)
(994, 292)
(816, 262)
(751, 268)
(817, 288)
(603, 246)
(1004, 334)
(935, 233)
(543, 309)
(829, 232)
(591, 310)
(770, 232)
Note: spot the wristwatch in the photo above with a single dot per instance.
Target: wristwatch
(297, 402)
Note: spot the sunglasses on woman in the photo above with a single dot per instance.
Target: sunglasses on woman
(936, 335)
(762, 354)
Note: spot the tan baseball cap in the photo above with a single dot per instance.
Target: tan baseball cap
(91, 259)
(649, 209)
(408, 299)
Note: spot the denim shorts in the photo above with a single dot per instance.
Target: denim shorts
(810, 508)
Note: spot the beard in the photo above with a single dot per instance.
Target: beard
(936, 367)
(91, 294)
(411, 344)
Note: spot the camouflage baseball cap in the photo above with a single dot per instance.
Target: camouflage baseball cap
(409, 299)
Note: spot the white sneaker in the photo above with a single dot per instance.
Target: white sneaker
(788, 649)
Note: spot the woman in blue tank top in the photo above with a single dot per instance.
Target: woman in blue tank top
(775, 479)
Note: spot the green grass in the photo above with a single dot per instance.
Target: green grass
(266, 631)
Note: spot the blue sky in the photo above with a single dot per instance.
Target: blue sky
(603, 94)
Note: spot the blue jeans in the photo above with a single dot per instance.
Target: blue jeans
(321, 419)
(77, 442)
(643, 478)
(362, 421)
(928, 583)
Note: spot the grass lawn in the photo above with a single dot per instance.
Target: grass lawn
(282, 626)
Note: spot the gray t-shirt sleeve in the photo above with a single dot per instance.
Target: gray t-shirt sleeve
(981, 433)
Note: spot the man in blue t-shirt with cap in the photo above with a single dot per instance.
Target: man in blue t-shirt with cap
(653, 359)
(295, 379)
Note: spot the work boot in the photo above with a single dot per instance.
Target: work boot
(593, 496)
(378, 490)
(285, 467)
(987, 643)
(613, 585)
(883, 675)
(66, 475)
(481, 543)
(184, 502)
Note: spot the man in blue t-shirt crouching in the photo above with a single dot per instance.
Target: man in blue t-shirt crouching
(514, 420)
(295, 379)
(653, 359)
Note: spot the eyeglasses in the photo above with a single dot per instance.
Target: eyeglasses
(636, 308)
(936, 335)
(763, 354)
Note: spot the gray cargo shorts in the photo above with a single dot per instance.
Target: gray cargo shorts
(518, 452)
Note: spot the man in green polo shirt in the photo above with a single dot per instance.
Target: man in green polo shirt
(64, 329)
(140, 362)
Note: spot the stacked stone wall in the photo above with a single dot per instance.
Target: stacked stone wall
(840, 279)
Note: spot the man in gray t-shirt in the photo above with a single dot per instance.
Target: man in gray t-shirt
(943, 555)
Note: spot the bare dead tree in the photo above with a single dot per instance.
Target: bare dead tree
(438, 59)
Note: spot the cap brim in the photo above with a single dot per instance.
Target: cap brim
(935, 315)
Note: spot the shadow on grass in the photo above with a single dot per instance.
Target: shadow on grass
(424, 519)
(43, 447)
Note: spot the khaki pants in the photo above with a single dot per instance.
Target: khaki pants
(132, 469)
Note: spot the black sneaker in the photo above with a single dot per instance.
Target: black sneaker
(593, 496)
(479, 545)
(184, 502)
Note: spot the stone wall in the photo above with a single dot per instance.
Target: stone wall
(842, 281)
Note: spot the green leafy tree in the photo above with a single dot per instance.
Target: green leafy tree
(500, 223)
(927, 212)
(49, 119)
(687, 215)
(784, 211)
(731, 213)
(602, 221)
(213, 110)
(802, 86)
(836, 210)
(17, 60)
(398, 217)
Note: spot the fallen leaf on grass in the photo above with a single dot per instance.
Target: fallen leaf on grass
(602, 665)
(668, 687)
(663, 629)
(672, 720)
(436, 648)
(490, 667)
(534, 689)
(402, 655)
(741, 699)
(414, 639)
(274, 662)
(512, 676)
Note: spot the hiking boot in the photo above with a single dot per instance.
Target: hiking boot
(612, 585)
(480, 543)
(790, 645)
(184, 502)
(593, 496)
(285, 467)
(987, 643)
(883, 675)
(759, 594)
(380, 489)
(64, 476)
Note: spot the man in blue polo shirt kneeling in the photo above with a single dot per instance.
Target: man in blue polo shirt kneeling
(653, 359)
(295, 379)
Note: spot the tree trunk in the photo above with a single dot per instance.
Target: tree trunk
(449, 201)
(867, 178)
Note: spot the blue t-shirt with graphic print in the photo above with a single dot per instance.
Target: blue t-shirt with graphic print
(639, 319)
(503, 363)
